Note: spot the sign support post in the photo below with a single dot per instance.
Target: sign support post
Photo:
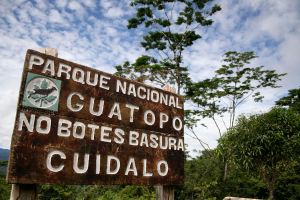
(29, 191)
(165, 192)
(23, 191)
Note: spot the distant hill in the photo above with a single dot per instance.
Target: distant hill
(3, 161)
(4, 154)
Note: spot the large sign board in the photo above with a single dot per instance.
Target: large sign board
(78, 125)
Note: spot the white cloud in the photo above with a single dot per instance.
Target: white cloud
(61, 3)
(106, 4)
(80, 11)
(55, 17)
(89, 3)
(114, 12)
(111, 31)
(112, 9)
(74, 5)
(11, 20)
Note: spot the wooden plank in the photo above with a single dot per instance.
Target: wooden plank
(137, 127)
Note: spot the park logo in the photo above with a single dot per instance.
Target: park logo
(41, 92)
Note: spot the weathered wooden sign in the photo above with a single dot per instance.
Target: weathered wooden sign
(77, 125)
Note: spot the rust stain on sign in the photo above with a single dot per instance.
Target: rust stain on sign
(78, 125)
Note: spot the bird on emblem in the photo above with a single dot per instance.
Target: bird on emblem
(44, 92)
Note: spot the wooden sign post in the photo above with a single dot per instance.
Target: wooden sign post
(165, 192)
(78, 125)
(29, 191)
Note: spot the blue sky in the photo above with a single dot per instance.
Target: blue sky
(94, 33)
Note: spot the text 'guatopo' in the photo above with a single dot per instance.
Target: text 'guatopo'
(77, 102)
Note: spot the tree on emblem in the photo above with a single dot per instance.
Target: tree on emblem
(41, 93)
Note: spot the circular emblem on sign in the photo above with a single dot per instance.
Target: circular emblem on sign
(42, 92)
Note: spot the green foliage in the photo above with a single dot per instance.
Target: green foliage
(264, 144)
(288, 186)
(242, 184)
(3, 162)
(237, 79)
(234, 82)
(266, 140)
(204, 180)
(57, 192)
(206, 96)
(70, 192)
(4, 189)
(170, 27)
(147, 68)
(292, 100)
(201, 177)
(3, 167)
(193, 11)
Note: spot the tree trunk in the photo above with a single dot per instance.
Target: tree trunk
(225, 171)
(271, 194)
(270, 184)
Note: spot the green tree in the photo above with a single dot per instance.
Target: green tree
(4, 188)
(91, 192)
(202, 176)
(233, 84)
(265, 144)
(292, 100)
(204, 180)
(170, 27)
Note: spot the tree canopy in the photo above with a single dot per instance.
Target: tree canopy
(170, 26)
(264, 144)
(292, 100)
(233, 83)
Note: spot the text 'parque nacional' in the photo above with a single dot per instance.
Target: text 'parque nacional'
(78, 125)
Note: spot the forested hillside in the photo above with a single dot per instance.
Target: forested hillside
(4, 153)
